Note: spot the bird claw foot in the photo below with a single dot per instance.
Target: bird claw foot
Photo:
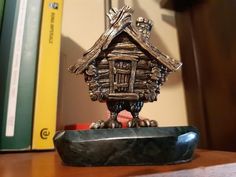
(97, 125)
(112, 123)
(136, 122)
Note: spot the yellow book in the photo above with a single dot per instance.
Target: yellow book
(44, 124)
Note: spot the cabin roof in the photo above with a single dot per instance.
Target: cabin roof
(120, 21)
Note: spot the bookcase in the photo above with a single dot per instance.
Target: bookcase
(206, 31)
(194, 54)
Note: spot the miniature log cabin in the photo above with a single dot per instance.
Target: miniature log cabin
(123, 69)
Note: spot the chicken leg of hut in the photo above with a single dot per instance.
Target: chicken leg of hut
(135, 108)
(114, 107)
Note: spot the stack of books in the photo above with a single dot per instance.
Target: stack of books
(30, 33)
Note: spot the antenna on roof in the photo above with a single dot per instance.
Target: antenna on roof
(107, 4)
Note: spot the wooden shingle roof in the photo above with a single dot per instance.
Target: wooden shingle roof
(120, 21)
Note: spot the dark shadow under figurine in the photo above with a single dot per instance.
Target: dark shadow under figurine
(124, 70)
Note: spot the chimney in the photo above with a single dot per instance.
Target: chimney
(144, 26)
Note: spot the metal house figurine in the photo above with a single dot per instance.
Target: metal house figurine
(124, 69)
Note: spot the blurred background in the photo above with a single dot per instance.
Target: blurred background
(200, 33)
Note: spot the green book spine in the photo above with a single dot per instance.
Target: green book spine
(18, 60)
(1, 12)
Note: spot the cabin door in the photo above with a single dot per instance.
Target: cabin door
(122, 76)
(122, 71)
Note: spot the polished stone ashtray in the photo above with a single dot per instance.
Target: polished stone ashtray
(130, 146)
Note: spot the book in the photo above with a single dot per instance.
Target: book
(1, 12)
(48, 76)
(18, 48)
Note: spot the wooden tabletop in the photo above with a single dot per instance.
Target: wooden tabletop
(48, 164)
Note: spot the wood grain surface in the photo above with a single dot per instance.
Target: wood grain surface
(207, 41)
(48, 164)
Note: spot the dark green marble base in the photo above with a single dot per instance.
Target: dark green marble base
(131, 146)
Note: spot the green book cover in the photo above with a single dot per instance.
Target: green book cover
(1, 12)
(18, 60)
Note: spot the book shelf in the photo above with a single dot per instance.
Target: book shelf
(49, 163)
(42, 164)
(206, 31)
